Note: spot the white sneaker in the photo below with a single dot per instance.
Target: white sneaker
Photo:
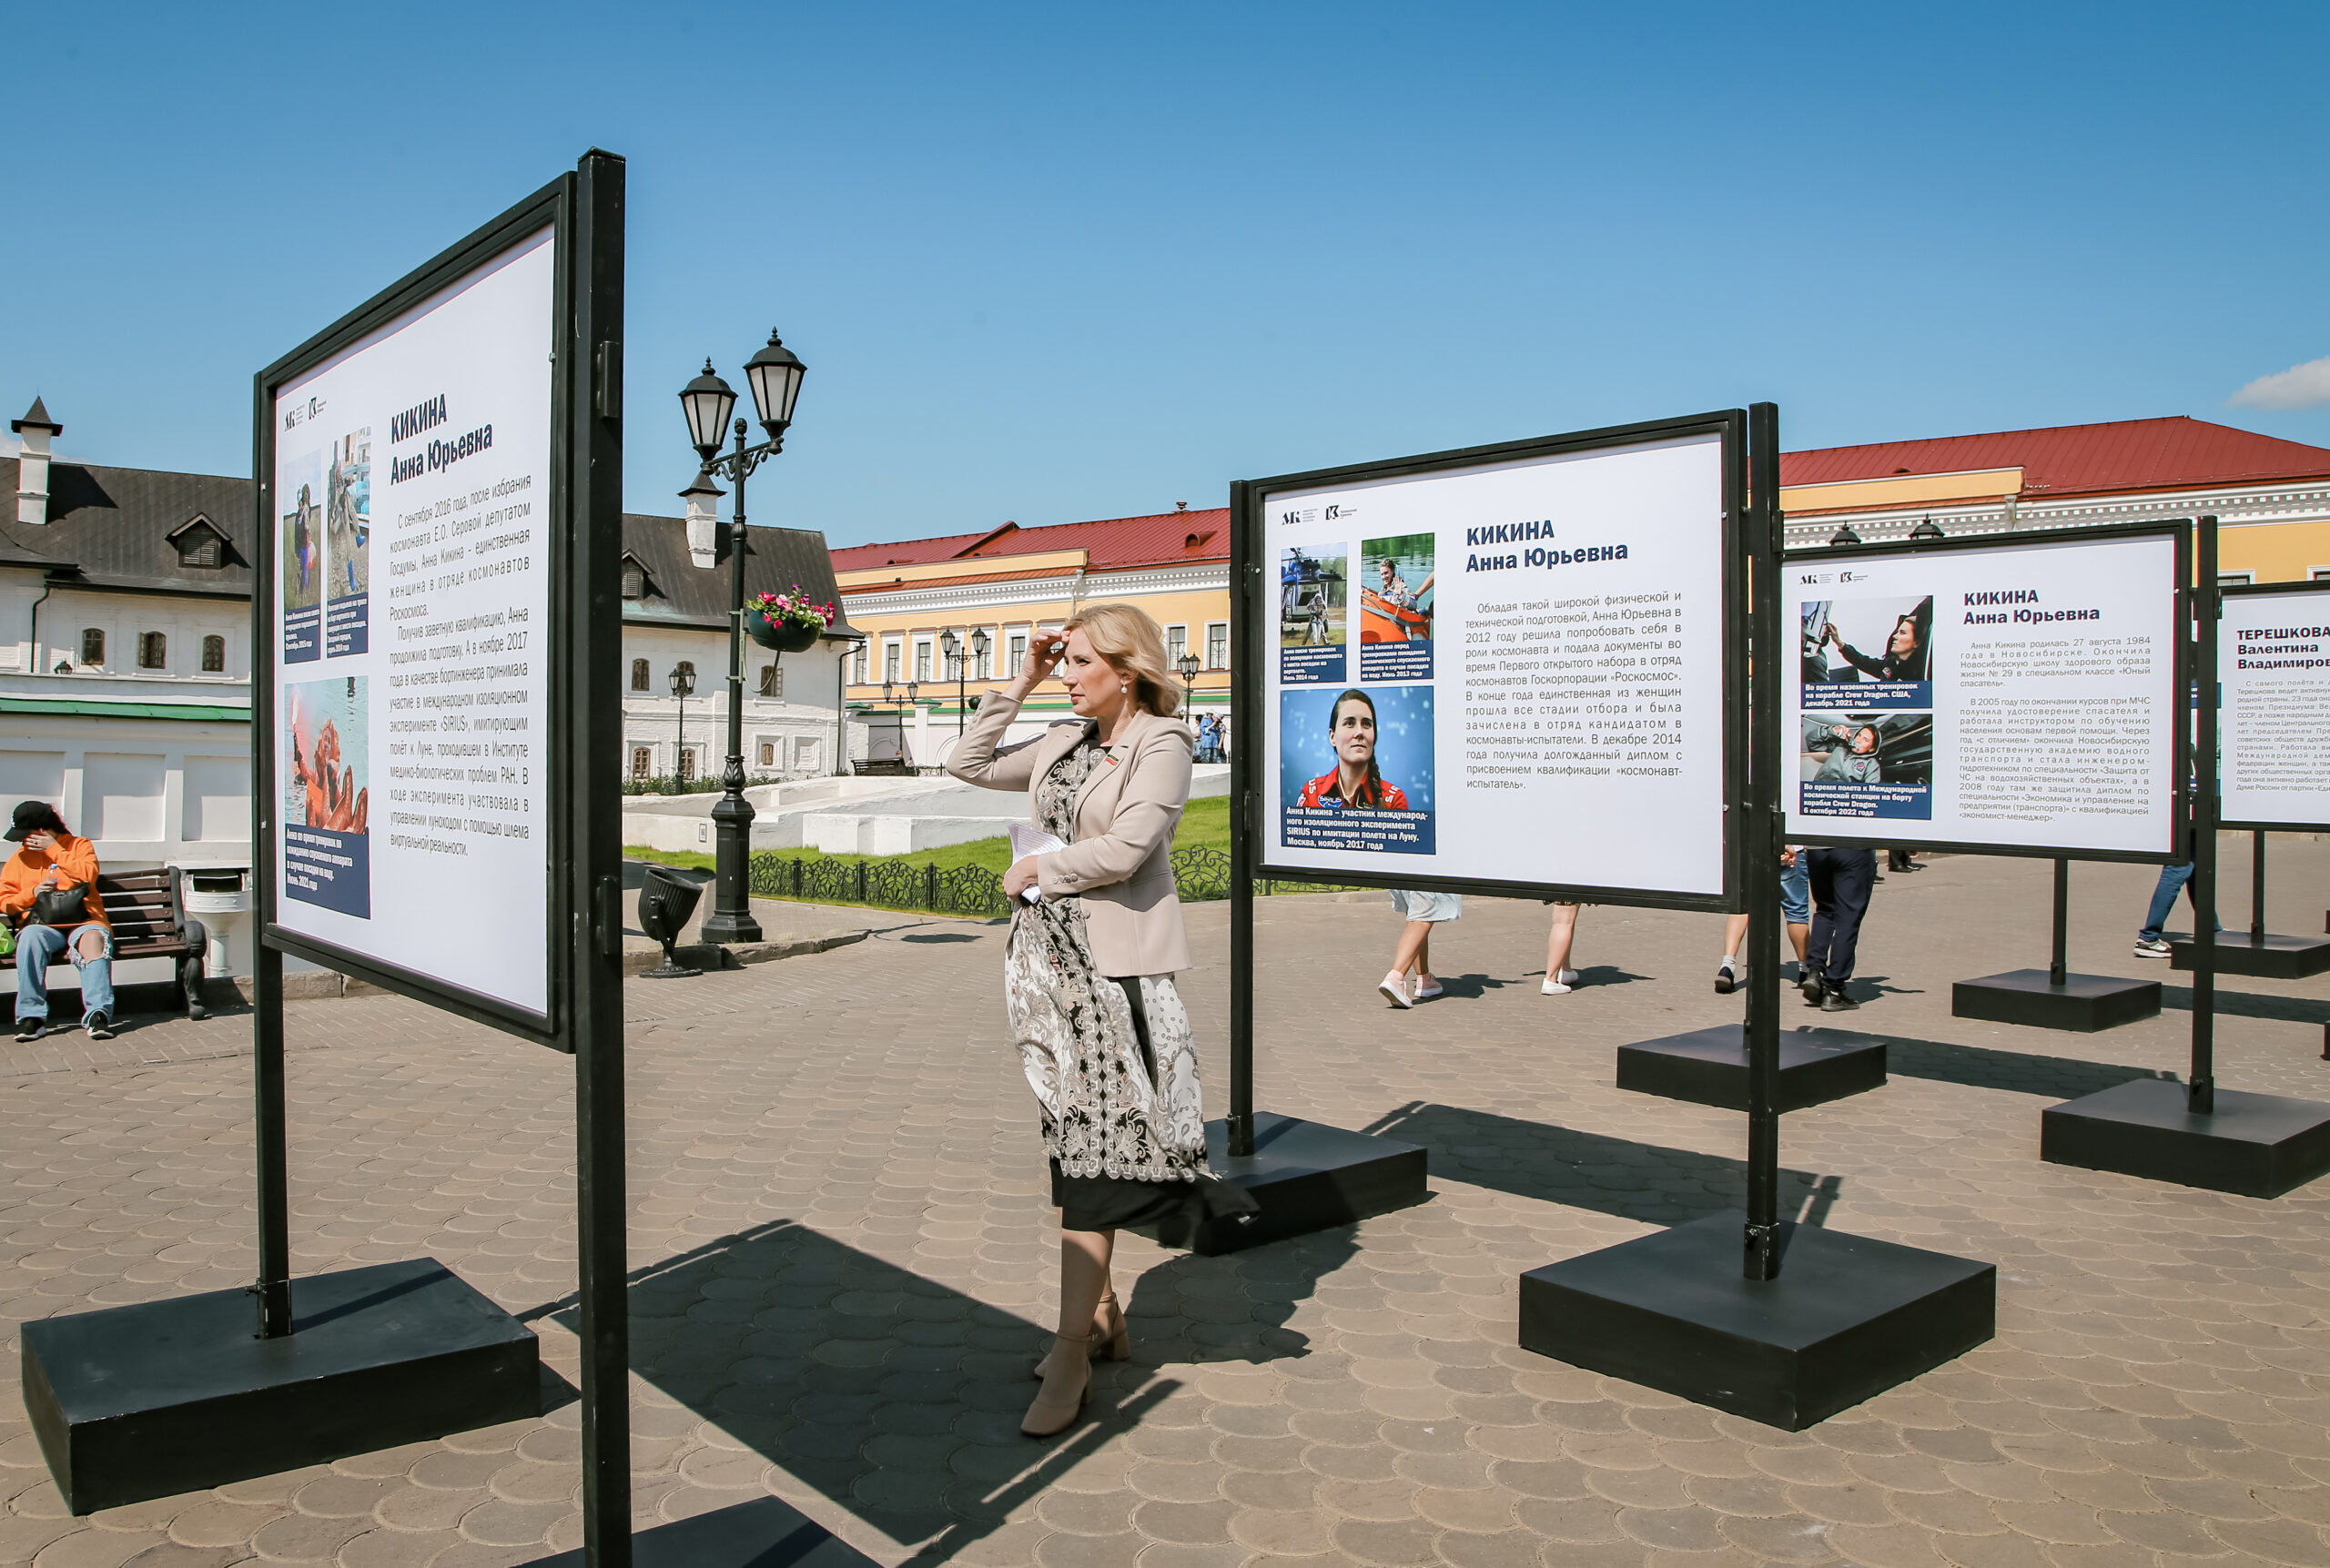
(1553, 987)
(1395, 988)
(1426, 993)
(1570, 977)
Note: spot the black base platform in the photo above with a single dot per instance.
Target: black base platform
(763, 1533)
(1847, 1319)
(137, 1402)
(1709, 1066)
(2084, 1002)
(2260, 1146)
(2277, 958)
(1308, 1176)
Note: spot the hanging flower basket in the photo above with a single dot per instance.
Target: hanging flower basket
(787, 622)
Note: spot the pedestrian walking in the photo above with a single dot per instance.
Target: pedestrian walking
(2151, 942)
(1560, 979)
(1089, 970)
(1421, 910)
(1796, 910)
(1840, 883)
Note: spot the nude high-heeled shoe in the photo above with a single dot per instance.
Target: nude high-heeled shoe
(1111, 1340)
(1062, 1398)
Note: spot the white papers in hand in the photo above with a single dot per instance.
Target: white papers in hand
(1026, 840)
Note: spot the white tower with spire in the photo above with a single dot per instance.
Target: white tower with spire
(32, 462)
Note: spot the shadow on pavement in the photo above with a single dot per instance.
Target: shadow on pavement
(1978, 1067)
(1233, 1307)
(2251, 1005)
(897, 1397)
(1640, 1181)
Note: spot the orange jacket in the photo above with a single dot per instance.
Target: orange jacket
(75, 860)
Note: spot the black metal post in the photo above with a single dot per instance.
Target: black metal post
(680, 746)
(1244, 823)
(2059, 967)
(731, 919)
(1768, 674)
(962, 711)
(2257, 889)
(2200, 1083)
(594, 725)
(274, 1286)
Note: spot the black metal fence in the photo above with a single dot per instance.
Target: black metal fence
(1198, 873)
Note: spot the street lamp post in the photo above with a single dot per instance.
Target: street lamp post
(775, 376)
(1189, 667)
(683, 686)
(960, 659)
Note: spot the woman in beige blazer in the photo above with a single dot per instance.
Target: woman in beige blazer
(1089, 970)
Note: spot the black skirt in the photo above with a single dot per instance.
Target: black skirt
(1171, 1208)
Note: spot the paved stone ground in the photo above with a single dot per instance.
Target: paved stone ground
(843, 1260)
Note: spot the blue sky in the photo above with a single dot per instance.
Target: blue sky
(1051, 263)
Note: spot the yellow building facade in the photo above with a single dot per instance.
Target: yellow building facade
(923, 603)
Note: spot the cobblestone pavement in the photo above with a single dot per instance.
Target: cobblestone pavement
(844, 1261)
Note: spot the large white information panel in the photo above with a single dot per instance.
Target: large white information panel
(2273, 732)
(1507, 673)
(2018, 697)
(413, 476)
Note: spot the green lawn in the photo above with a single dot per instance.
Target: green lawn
(1204, 825)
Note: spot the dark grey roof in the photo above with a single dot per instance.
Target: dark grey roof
(112, 526)
(35, 415)
(681, 593)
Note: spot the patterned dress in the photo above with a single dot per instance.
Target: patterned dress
(1111, 1061)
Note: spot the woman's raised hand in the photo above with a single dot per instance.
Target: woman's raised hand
(1050, 648)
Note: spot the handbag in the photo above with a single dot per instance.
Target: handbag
(59, 906)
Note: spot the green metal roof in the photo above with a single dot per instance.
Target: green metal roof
(192, 713)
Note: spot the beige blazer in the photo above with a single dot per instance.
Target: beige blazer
(1121, 863)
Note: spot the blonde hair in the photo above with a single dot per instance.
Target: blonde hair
(1134, 646)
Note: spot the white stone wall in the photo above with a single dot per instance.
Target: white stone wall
(789, 736)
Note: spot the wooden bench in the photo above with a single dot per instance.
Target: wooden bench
(883, 767)
(147, 911)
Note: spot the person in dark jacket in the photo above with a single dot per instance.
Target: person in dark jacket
(1905, 653)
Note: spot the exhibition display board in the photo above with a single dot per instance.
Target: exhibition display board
(410, 532)
(1505, 669)
(436, 748)
(2019, 698)
(2274, 721)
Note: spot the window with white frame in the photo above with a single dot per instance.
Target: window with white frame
(93, 645)
(1217, 644)
(983, 660)
(153, 650)
(2234, 579)
(772, 681)
(639, 675)
(1177, 643)
(922, 661)
(1015, 655)
(643, 761)
(214, 655)
(860, 663)
(891, 654)
(768, 753)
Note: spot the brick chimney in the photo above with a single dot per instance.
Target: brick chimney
(32, 462)
(703, 499)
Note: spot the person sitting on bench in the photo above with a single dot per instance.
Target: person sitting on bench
(38, 888)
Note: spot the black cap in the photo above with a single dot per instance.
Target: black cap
(32, 817)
